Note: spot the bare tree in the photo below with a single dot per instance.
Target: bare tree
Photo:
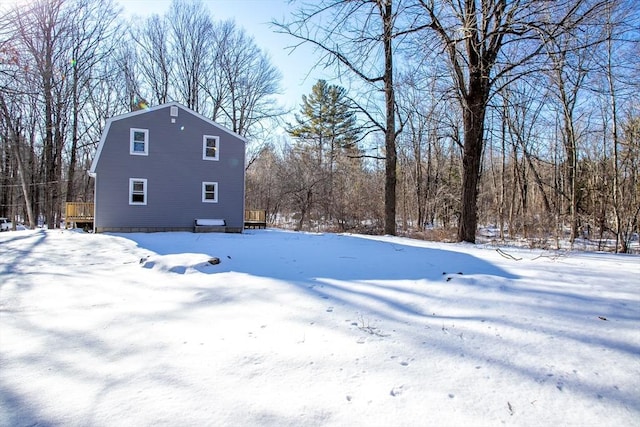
(521, 113)
(263, 186)
(570, 67)
(214, 68)
(42, 28)
(358, 36)
(244, 83)
(626, 157)
(59, 46)
(13, 137)
(191, 40)
(423, 105)
(155, 58)
(488, 44)
(300, 179)
(10, 128)
(89, 32)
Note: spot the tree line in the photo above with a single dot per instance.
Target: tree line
(516, 114)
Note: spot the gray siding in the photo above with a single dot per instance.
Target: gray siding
(174, 170)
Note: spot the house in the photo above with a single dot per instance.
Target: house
(164, 167)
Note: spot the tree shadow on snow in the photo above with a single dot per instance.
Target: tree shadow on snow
(434, 289)
(13, 255)
(301, 256)
(393, 280)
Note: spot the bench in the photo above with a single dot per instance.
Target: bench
(210, 226)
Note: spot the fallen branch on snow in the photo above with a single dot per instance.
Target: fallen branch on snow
(506, 255)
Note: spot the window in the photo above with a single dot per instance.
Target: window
(137, 191)
(139, 142)
(210, 147)
(209, 192)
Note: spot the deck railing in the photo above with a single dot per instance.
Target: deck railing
(255, 218)
(78, 212)
(82, 212)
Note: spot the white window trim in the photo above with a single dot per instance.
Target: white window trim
(146, 142)
(204, 147)
(131, 182)
(215, 193)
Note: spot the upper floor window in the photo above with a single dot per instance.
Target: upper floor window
(210, 192)
(139, 142)
(137, 191)
(210, 147)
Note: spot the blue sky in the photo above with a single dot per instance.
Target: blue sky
(254, 16)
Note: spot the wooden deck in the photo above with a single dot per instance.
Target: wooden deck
(255, 218)
(78, 214)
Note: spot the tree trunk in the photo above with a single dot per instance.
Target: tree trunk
(473, 117)
(572, 170)
(614, 134)
(71, 194)
(49, 162)
(390, 133)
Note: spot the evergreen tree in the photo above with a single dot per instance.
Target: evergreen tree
(327, 122)
(328, 132)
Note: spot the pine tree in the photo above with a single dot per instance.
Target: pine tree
(327, 127)
(327, 122)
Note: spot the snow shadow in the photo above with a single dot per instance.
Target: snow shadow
(16, 408)
(467, 308)
(295, 256)
(12, 255)
(375, 316)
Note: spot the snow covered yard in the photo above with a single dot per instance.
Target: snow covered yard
(312, 329)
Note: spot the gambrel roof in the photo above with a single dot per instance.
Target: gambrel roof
(105, 132)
